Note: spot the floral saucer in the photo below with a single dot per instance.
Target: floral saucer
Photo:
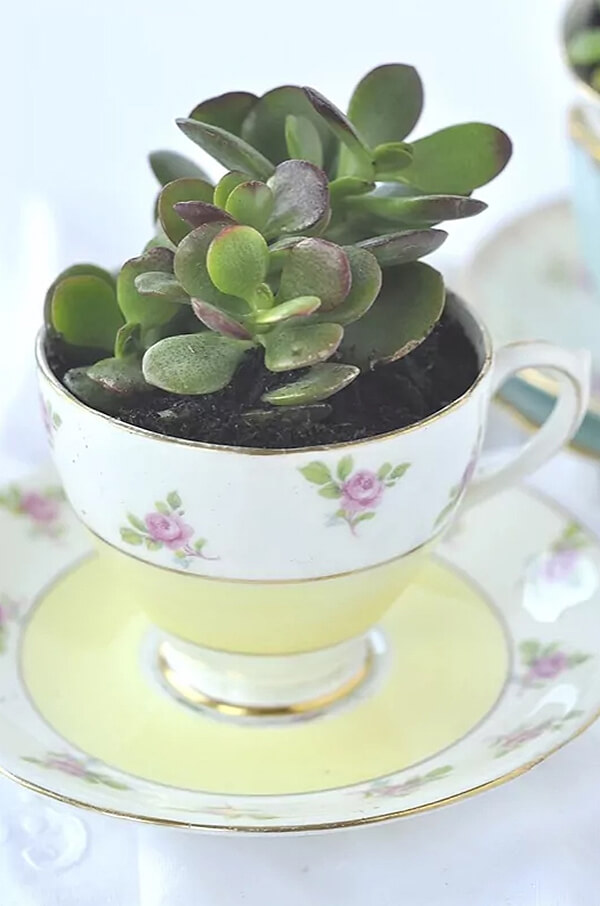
(528, 282)
(488, 664)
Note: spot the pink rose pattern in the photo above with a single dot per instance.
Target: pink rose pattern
(43, 508)
(380, 789)
(165, 527)
(358, 492)
(543, 663)
(565, 554)
(509, 742)
(75, 767)
(9, 612)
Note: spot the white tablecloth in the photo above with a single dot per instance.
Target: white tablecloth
(533, 842)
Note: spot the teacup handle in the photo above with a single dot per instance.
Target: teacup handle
(572, 369)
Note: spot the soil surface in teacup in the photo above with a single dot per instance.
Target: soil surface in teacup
(394, 396)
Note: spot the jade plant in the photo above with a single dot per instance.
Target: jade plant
(583, 48)
(306, 250)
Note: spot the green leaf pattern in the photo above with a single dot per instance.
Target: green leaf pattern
(358, 491)
(76, 767)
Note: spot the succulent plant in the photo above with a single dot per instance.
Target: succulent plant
(583, 47)
(306, 249)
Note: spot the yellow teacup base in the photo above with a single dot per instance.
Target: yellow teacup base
(84, 662)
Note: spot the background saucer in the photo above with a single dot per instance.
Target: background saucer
(528, 283)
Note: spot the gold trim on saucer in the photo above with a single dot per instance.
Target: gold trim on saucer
(304, 828)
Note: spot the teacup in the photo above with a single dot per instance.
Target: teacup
(265, 570)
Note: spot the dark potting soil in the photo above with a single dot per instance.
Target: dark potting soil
(435, 374)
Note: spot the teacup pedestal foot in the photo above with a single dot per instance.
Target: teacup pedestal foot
(255, 687)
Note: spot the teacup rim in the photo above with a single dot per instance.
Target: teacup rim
(58, 387)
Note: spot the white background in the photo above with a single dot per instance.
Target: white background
(87, 89)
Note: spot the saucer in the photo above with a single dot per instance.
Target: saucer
(488, 664)
(528, 282)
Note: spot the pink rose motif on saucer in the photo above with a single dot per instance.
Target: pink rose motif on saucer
(358, 492)
(75, 767)
(507, 743)
(544, 663)
(383, 789)
(42, 508)
(165, 527)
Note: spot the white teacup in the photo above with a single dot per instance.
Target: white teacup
(266, 569)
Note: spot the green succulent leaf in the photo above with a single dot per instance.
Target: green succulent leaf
(227, 111)
(456, 160)
(177, 191)
(583, 49)
(120, 376)
(278, 252)
(358, 161)
(77, 381)
(237, 260)
(195, 363)
(197, 213)
(226, 185)
(419, 210)
(216, 319)
(391, 159)
(159, 240)
(408, 308)
(265, 125)
(387, 103)
(251, 203)
(300, 307)
(289, 416)
(294, 345)
(301, 197)
(128, 341)
(349, 185)
(84, 311)
(168, 166)
(149, 311)
(366, 284)
(316, 267)
(403, 247)
(229, 149)
(190, 265)
(302, 140)
(320, 383)
(76, 270)
(159, 285)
